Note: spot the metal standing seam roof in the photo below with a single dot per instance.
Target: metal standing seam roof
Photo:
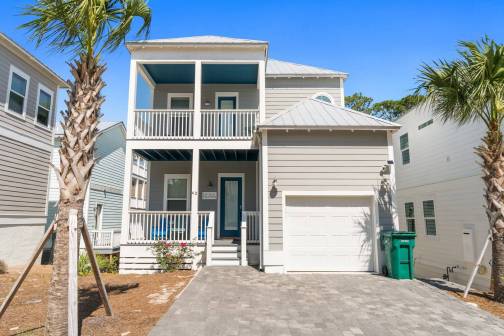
(312, 113)
(102, 127)
(277, 68)
(204, 39)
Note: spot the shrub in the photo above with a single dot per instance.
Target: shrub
(3, 267)
(83, 266)
(171, 256)
(108, 264)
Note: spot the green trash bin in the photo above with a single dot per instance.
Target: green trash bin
(398, 247)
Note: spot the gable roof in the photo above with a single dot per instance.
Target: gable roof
(203, 39)
(102, 127)
(312, 113)
(32, 60)
(277, 68)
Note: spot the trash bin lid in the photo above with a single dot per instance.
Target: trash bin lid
(403, 235)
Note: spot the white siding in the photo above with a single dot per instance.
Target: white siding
(443, 168)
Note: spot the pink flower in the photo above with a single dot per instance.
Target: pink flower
(183, 244)
(167, 244)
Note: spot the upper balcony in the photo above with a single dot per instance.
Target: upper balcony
(219, 100)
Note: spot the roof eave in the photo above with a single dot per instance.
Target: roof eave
(334, 75)
(132, 45)
(333, 128)
(20, 50)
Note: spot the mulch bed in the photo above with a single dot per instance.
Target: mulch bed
(483, 300)
(138, 301)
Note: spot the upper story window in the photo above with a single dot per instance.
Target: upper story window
(324, 97)
(425, 124)
(18, 91)
(404, 144)
(44, 105)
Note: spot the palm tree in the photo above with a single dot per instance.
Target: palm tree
(87, 29)
(470, 89)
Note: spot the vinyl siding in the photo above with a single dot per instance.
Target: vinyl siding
(24, 172)
(11, 122)
(324, 161)
(248, 94)
(443, 168)
(107, 179)
(282, 93)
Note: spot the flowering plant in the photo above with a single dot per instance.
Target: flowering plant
(171, 255)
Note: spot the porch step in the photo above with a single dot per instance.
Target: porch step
(225, 248)
(225, 253)
(225, 261)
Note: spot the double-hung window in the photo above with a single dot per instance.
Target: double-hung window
(44, 105)
(429, 217)
(404, 144)
(409, 209)
(176, 192)
(18, 91)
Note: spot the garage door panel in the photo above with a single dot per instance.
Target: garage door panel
(328, 234)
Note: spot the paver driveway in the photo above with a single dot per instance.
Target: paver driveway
(243, 301)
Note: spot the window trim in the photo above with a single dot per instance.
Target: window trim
(227, 94)
(323, 94)
(181, 95)
(99, 223)
(19, 72)
(430, 217)
(42, 87)
(408, 217)
(188, 193)
(406, 148)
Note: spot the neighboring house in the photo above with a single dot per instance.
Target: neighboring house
(440, 195)
(103, 204)
(28, 91)
(249, 154)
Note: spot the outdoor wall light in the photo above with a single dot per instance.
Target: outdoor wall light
(210, 184)
(275, 183)
(207, 103)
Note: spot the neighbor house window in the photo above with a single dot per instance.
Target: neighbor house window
(404, 144)
(425, 124)
(18, 90)
(409, 209)
(44, 105)
(98, 217)
(176, 191)
(429, 217)
(133, 190)
(324, 97)
(141, 190)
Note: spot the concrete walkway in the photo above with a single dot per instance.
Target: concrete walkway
(243, 301)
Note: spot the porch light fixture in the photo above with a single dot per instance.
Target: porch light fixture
(275, 183)
(207, 103)
(210, 184)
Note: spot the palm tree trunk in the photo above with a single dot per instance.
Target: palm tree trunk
(491, 152)
(76, 162)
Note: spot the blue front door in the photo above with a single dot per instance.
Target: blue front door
(230, 206)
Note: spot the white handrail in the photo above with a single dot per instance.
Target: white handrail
(102, 238)
(209, 241)
(228, 124)
(252, 219)
(163, 124)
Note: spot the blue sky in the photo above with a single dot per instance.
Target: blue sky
(379, 43)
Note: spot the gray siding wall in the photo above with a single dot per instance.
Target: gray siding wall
(248, 94)
(209, 171)
(325, 161)
(24, 172)
(282, 93)
(11, 122)
(107, 179)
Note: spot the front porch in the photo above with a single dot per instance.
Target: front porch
(209, 198)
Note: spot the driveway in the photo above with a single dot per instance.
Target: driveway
(243, 301)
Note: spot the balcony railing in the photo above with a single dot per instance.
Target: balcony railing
(253, 219)
(178, 124)
(152, 226)
(163, 124)
(228, 124)
(103, 239)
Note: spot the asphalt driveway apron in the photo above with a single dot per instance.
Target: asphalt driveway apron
(243, 301)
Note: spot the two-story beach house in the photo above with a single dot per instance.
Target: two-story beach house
(28, 91)
(440, 195)
(254, 160)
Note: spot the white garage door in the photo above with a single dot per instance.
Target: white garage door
(328, 234)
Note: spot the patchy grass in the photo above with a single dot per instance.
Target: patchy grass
(136, 308)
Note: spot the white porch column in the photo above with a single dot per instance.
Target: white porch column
(132, 99)
(128, 161)
(197, 100)
(194, 194)
(262, 90)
